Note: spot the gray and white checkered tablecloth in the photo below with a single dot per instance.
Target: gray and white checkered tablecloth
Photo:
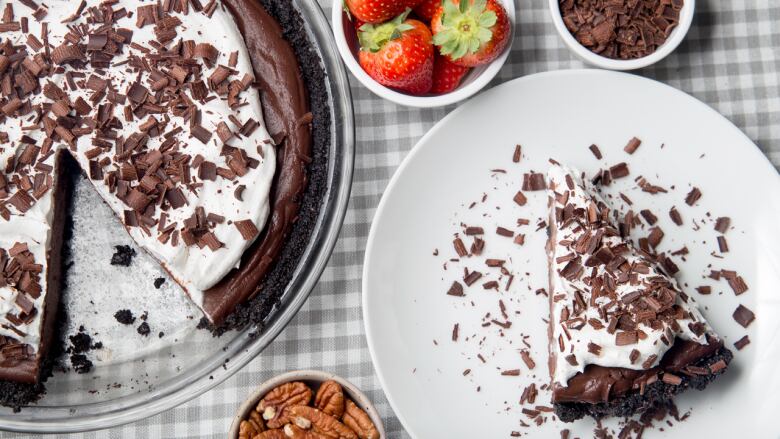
(730, 60)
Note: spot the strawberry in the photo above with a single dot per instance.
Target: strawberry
(471, 32)
(398, 54)
(426, 9)
(357, 23)
(377, 11)
(446, 75)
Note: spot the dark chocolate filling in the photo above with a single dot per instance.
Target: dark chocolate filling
(247, 299)
(287, 118)
(597, 382)
(655, 394)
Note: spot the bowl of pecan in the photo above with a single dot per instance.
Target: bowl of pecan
(622, 34)
(307, 404)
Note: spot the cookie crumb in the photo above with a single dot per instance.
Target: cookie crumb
(125, 317)
(123, 255)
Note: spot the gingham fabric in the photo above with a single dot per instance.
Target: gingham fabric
(730, 60)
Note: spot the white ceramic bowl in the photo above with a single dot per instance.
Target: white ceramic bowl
(477, 78)
(312, 378)
(674, 40)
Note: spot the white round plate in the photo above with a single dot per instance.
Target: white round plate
(409, 317)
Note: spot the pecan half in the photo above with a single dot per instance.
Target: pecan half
(295, 432)
(320, 422)
(330, 399)
(251, 427)
(271, 434)
(246, 430)
(359, 421)
(257, 421)
(273, 405)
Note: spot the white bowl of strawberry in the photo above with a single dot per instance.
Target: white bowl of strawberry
(424, 53)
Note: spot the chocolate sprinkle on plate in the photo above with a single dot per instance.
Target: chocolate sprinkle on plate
(526, 356)
(742, 342)
(743, 316)
(675, 216)
(456, 289)
(596, 151)
(722, 224)
(619, 171)
(632, 145)
(722, 244)
(693, 196)
(518, 154)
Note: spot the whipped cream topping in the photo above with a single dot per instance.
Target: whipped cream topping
(32, 228)
(612, 304)
(212, 131)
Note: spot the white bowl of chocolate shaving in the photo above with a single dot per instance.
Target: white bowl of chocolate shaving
(622, 35)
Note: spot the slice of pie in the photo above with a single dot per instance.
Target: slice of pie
(623, 335)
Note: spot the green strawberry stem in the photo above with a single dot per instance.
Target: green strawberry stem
(374, 37)
(346, 9)
(464, 28)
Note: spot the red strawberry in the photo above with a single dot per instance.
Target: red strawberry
(398, 54)
(446, 75)
(377, 11)
(357, 23)
(426, 9)
(471, 32)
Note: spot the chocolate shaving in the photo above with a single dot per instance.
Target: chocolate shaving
(693, 196)
(722, 244)
(456, 289)
(742, 342)
(722, 224)
(247, 229)
(596, 151)
(624, 338)
(520, 199)
(534, 182)
(619, 171)
(675, 216)
(743, 316)
(670, 378)
(518, 154)
(526, 356)
(718, 366)
(632, 145)
(737, 284)
(460, 247)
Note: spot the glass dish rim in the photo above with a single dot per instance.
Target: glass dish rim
(245, 346)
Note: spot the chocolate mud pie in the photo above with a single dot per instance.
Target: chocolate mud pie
(200, 126)
(623, 335)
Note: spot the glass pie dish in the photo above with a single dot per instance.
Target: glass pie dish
(135, 377)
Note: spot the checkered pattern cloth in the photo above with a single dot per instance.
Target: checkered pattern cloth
(730, 60)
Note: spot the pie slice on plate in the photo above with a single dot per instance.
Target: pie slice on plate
(623, 336)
